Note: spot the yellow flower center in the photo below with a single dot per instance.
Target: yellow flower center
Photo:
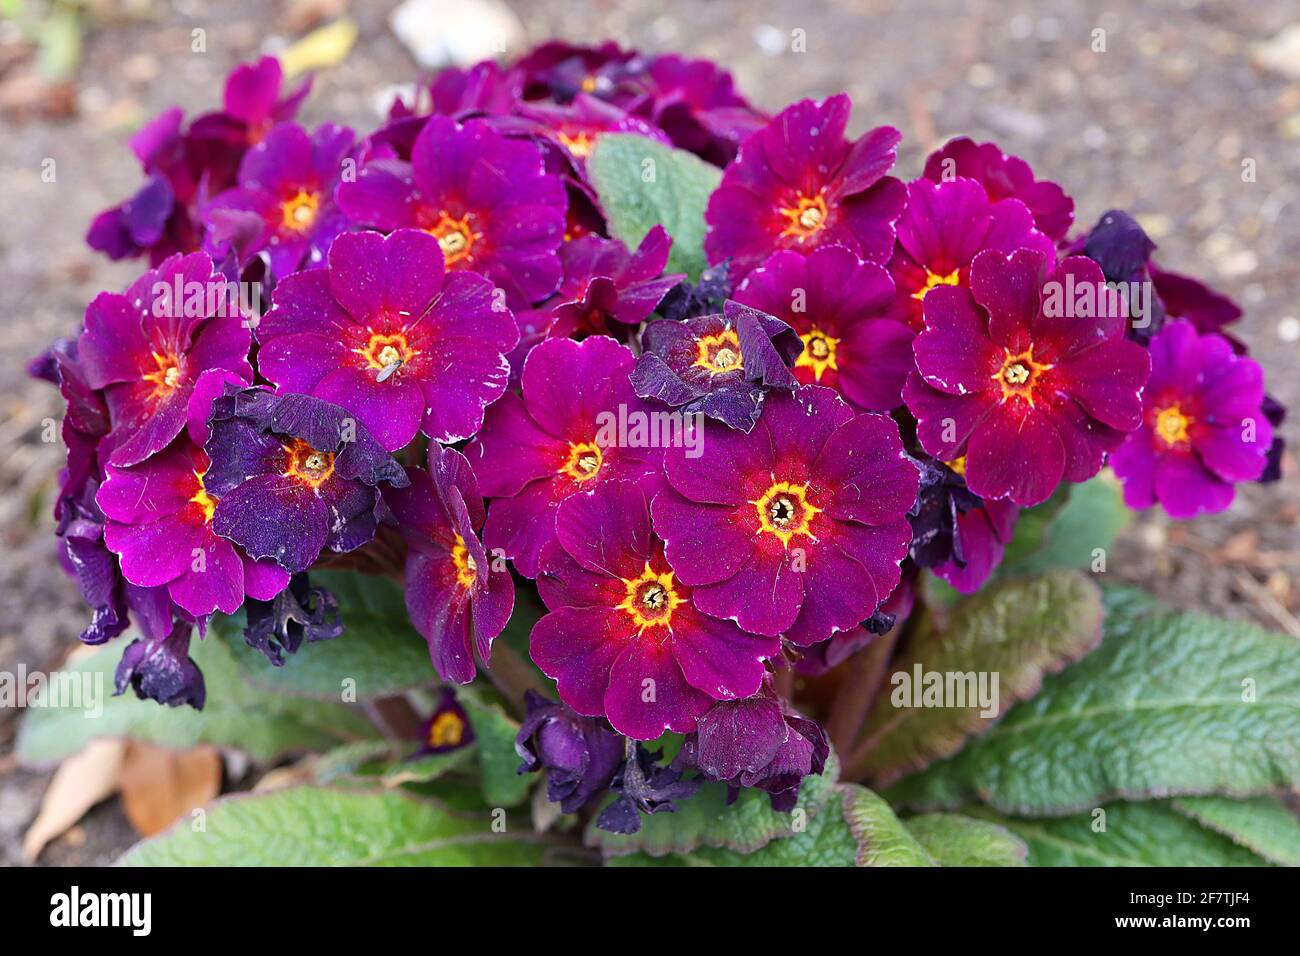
(456, 237)
(579, 144)
(466, 569)
(298, 213)
(650, 598)
(204, 500)
(806, 217)
(446, 730)
(958, 465)
(1172, 425)
(719, 353)
(932, 281)
(166, 376)
(386, 354)
(307, 465)
(783, 510)
(1018, 375)
(584, 461)
(818, 353)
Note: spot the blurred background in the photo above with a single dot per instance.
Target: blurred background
(1159, 107)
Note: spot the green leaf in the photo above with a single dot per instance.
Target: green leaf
(1067, 531)
(675, 196)
(956, 840)
(705, 820)
(378, 650)
(1014, 632)
(882, 839)
(494, 732)
(320, 826)
(1134, 834)
(428, 767)
(262, 725)
(1263, 825)
(1170, 704)
(854, 828)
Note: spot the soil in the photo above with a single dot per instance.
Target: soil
(1164, 122)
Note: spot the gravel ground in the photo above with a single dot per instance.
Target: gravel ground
(1161, 123)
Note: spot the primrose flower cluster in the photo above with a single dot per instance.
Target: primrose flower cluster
(422, 351)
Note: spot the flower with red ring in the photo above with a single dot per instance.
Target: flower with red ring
(622, 637)
(1026, 374)
(799, 184)
(1203, 425)
(160, 524)
(796, 528)
(455, 598)
(838, 304)
(292, 475)
(485, 197)
(560, 438)
(385, 333)
(147, 347)
(286, 191)
(1004, 177)
(945, 227)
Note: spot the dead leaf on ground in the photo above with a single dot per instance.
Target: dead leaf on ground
(159, 786)
(81, 781)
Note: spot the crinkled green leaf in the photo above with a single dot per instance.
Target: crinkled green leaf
(1263, 825)
(643, 183)
(705, 820)
(1150, 833)
(1170, 704)
(265, 726)
(956, 840)
(379, 653)
(882, 838)
(1017, 631)
(854, 827)
(320, 826)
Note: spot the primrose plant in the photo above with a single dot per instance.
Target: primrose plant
(586, 434)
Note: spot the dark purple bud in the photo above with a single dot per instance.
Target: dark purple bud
(162, 670)
(579, 754)
(298, 613)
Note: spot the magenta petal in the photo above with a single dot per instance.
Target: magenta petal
(276, 518)
(214, 580)
(522, 525)
(703, 544)
(511, 451)
(390, 410)
(1023, 460)
(607, 533)
(851, 572)
(208, 387)
(152, 554)
(576, 647)
(864, 465)
(1186, 488)
(263, 580)
(719, 658)
(954, 353)
(763, 597)
(647, 693)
